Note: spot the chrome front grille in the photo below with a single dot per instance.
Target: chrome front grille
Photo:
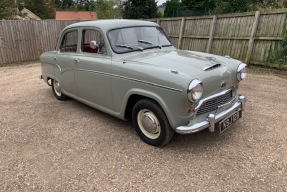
(213, 103)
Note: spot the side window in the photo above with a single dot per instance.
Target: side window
(69, 42)
(93, 42)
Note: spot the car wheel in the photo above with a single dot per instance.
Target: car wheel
(151, 123)
(57, 90)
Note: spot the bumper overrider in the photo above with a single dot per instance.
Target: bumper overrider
(212, 119)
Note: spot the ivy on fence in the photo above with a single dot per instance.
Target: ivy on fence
(279, 54)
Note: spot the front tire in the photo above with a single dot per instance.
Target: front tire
(151, 124)
(57, 90)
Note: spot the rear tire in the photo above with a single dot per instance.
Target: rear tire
(57, 91)
(151, 123)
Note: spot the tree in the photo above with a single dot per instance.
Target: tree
(45, 9)
(118, 12)
(198, 4)
(268, 4)
(67, 4)
(171, 8)
(144, 9)
(105, 9)
(159, 15)
(234, 6)
(64, 4)
(7, 9)
(58, 3)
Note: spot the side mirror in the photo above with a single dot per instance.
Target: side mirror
(93, 44)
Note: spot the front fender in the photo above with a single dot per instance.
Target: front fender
(170, 102)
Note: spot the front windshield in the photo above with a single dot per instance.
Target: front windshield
(130, 39)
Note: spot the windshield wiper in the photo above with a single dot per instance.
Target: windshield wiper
(149, 43)
(145, 42)
(129, 47)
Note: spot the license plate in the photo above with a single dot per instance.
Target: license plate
(225, 123)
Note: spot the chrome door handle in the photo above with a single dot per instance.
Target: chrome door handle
(77, 60)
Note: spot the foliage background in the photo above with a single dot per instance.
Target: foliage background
(7, 9)
(144, 9)
(174, 7)
(134, 9)
(279, 54)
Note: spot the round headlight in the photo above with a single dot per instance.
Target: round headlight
(241, 72)
(195, 90)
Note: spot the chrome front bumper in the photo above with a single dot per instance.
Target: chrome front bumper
(212, 119)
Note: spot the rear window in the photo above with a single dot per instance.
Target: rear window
(69, 42)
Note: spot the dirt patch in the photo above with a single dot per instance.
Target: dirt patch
(48, 145)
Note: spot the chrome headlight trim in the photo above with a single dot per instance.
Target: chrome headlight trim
(195, 90)
(241, 72)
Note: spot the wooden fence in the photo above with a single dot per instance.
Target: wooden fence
(27, 40)
(250, 37)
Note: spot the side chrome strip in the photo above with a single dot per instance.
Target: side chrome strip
(132, 79)
(92, 71)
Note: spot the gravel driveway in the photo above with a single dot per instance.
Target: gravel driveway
(49, 145)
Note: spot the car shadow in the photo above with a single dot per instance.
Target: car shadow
(196, 142)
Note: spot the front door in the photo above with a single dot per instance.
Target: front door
(93, 70)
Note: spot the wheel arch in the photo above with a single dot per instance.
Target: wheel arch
(50, 71)
(132, 100)
(138, 95)
(49, 79)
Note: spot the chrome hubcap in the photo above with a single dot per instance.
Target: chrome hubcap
(57, 88)
(148, 123)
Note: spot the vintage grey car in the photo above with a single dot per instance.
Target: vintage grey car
(129, 69)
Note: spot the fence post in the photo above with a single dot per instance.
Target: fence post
(252, 36)
(211, 34)
(158, 21)
(181, 33)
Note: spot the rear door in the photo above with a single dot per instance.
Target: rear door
(66, 61)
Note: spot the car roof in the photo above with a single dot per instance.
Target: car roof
(107, 24)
